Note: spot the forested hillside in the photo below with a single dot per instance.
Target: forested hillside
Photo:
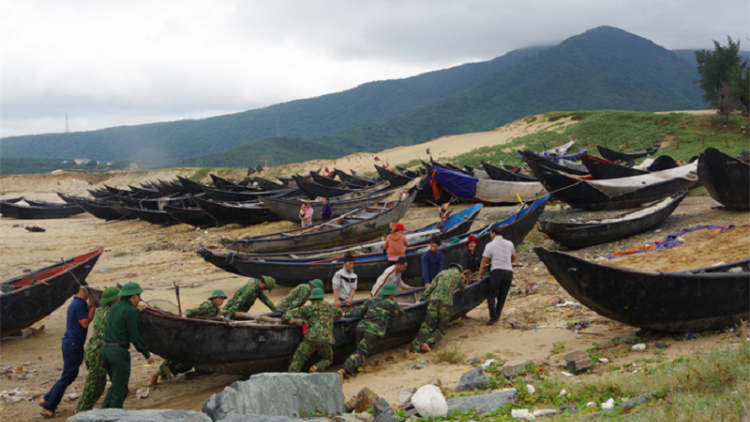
(167, 143)
(602, 69)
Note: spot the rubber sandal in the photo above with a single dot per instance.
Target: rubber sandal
(52, 416)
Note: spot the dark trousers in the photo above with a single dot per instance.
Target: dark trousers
(500, 281)
(72, 360)
(116, 362)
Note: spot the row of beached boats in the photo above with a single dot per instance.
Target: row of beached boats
(692, 300)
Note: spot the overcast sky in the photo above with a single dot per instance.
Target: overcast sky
(112, 63)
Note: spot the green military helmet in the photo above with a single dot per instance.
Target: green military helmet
(389, 289)
(317, 293)
(131, 288)
(317, 283)
(269, 282)
(455, 265)
(218, 293)
(109, 294)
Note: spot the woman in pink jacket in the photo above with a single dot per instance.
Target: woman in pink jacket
(395, 243)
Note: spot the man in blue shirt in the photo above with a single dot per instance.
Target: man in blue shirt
(80, 313)
(432, 262)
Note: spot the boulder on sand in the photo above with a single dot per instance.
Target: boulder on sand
(162, 415)
(473, 379)
(429, 402)
(278, 394)
(482, 403)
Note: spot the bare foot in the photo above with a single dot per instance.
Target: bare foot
(426, 347)
(313, 369)
(341, 374)
(154, 378)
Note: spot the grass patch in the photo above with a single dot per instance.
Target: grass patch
(448, 354)
(703, 386)
(200, 174)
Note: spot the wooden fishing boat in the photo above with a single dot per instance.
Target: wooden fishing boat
(191, 215)
(499, 173)
(249, 347)
(588, 232)
(353, 180)
(191, 186)
(695, 300)
(486, 191)
(31, 297)
(561, 150)
(268, 185)
(363, 176)
(100, 209)
(330, 182)
(727, 179)
(612, 155)
(529, 157)
(246, 196)
(314, 190)
(603, 169)
(358, 226)
(152, 216)
(396, 180)
(449, 226)
(236, 213)
(291, 271)
(288, 208)
(425, 195)
(663, 162)
(614, 194)
(40, 211)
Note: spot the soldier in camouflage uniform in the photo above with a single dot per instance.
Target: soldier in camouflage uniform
(244, 298)
(319, 335)
(375, 313)
(299, 295)
(209, 309)
(439, 309)
(96, 378)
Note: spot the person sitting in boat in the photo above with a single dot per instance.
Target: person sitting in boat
(395, 243)
(471, 257)
(327, 211)
(319, 335)
(299, 295)
(439, 308)
(432, 262)
(306, 213)
(344, 284)
(210, 308)
(244, 298)
(375, 313)
(392, 275)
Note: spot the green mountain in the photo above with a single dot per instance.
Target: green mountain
(167, 143)
(602, 69)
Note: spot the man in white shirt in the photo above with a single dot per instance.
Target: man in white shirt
(344, 284)
(500, 254)
(392, 274)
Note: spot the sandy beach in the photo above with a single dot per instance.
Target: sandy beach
(157, 256)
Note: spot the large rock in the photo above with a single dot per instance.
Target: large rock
(120, 415)
(264, 418)
(514, 367)
(473, 379)
(366, 398)
(429, 402)
(578, 361)
(482, 403)
(278, 394)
